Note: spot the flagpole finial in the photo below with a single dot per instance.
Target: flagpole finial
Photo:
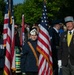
(45, 1)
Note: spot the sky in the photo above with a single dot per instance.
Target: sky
(17, 1)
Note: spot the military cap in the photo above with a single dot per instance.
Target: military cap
(33, 31)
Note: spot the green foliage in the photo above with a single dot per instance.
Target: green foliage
(32, 10)
(1, 17)
(18, 10)
(2, 9)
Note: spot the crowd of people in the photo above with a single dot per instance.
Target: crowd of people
(62, 46)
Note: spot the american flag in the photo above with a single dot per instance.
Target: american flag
(6, 17)
(44, 46)
(22, 34)
(9, 52)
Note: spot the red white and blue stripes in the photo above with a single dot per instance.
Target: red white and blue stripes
(44, 47)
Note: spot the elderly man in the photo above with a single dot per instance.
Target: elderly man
(66, 52)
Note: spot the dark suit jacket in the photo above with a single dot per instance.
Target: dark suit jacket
(66, 52)
(54, 45)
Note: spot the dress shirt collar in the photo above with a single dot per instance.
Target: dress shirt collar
(72, 31)
(56, 30)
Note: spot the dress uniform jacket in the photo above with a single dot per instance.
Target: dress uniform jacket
(54, 45)
(66, 52)
(2, 54)
(28, 60)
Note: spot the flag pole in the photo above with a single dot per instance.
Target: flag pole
(10, 18)
(45, 1)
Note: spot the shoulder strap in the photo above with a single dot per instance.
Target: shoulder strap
(33, 50)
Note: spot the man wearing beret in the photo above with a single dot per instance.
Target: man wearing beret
(29, 55)
(54, 34)
(66, 52)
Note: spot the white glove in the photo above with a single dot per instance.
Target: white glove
(23, 73)
(59, 63)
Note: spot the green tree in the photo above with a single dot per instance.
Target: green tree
(2, 8)
(18, 10)
(32, 9)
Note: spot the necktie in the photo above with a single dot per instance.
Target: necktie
(69, 37)
(70, 32)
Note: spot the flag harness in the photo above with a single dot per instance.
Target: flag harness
(34, 52)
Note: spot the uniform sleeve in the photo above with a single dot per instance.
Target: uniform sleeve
(2, 53)
(60, 49)
(23, 57)
(2, 57)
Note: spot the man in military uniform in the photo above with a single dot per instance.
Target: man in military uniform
(54, 34)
